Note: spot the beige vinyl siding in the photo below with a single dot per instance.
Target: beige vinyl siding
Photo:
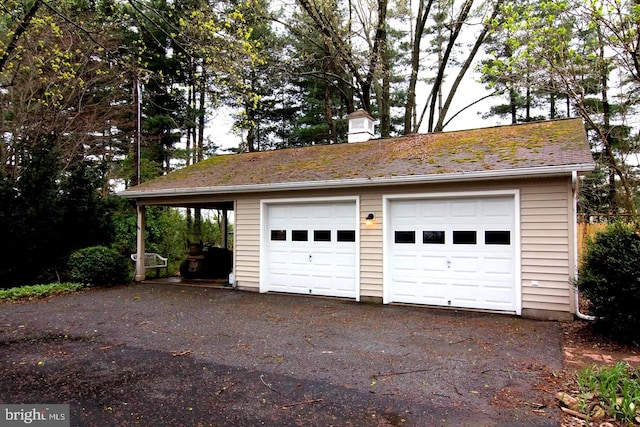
(247, 244)
(371, 246)
(545, 210)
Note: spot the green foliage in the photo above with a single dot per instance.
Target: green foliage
(98, 265)
(571, 56)
(610, 278)
(615, 388)
(594, 194)
(48, 213)
(38, 291)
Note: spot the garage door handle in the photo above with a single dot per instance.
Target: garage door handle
(309, 257)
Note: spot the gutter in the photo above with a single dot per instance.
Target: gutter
(575, 186)
(360, 182)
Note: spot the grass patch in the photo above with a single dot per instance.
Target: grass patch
(616, 389)
(38, 291)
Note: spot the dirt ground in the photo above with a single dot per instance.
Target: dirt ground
(582, 348)
(189, 356)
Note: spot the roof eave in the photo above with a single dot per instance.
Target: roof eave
(361, 182)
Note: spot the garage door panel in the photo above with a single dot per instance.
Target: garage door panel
(279, 258)
(299, 213)
(345, 259)
(437, 269)
(464, 290)
(299, 284)
(501, 267)
(344, 213)
(497, 298)
(431, 290)
(433, 211)
(434, 264)
(464, 264)
(320, 283)
(343, 287)
(298, 258)
(405, 261)
(277, 280)
(278, 214)
(461, 209)
(320, 259)
(324, 212)
(498, 209)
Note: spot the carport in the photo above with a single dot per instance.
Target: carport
(225, 206)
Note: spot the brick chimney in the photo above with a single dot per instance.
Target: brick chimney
(361, 126)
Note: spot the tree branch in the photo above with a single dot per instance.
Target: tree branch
(465, 67)
(22, 28)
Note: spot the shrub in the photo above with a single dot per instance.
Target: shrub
(37, 291)
(98, 265)
(610, 278)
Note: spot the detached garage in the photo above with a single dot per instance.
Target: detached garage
(481, 219)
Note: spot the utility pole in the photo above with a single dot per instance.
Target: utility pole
(138, 100)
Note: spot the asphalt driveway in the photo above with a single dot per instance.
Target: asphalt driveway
(168, 355)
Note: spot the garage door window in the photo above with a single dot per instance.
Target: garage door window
(321, 235)
(405, 237)
(278, 234)
(497, 237)
(346, 235)
(299, 235)
(433, 237)
(464, 237)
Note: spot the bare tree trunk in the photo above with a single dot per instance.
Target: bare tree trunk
(527, 104)
(197, 222)
(606, 119)
(328, 113)
(513, 105)
(201, 116)
(251, 137)
(410, 105)
(466, 66)
(137, 137)
(342, 51)
(191, 99)
(437, 84)
(384, 103)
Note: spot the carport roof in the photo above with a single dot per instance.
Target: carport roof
(533, 149)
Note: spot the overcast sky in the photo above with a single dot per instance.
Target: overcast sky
(220, 129)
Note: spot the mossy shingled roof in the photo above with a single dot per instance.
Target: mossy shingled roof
(502, 148)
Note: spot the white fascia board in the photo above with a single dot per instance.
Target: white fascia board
(362, 182)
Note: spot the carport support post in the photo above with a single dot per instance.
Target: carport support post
(225, 230)
(140, 272)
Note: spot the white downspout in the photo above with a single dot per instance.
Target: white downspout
(575, 184)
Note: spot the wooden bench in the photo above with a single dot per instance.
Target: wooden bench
(153, 260)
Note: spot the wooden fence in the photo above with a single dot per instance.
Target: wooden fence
(586, 230)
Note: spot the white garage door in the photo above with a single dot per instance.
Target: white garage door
(311, 248)
(454, 252)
